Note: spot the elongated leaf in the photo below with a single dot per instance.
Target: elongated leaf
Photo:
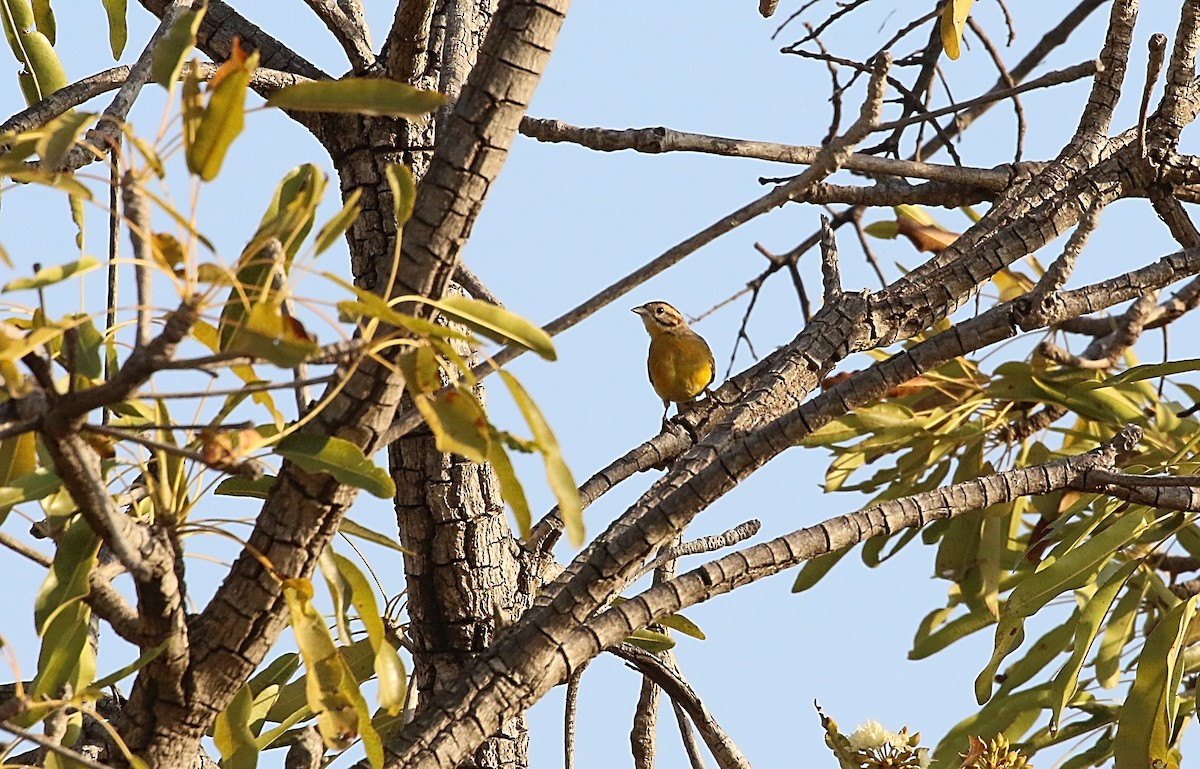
(375, 96)
(352, 529)
(42, 63)
(458, 423)
(1040, 653)
(682, 624)
(241, 486)
(232, 735)
(43, 16)
(223, 117)
(404, 192)
(59, 135)
(328, 683)
(39, 484)
(1117, 634)
(1091, 616)
(359, 656)
(118, 31)
(497, 324)
(67, 579)
(557, 473)
(62, 618)
(389, 669)
(954, 18)
(1148, 715)
(510, 487)
(339, 458)
(932, 635)
(330, 686)
(122, 673)
(1152, 371)
(48, 276)
(337, 226)
(339, 592)
(812, 571)
(174, 48)
(1075, 568)
(650, 640)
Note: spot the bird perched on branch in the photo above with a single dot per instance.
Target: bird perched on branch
(680, 362)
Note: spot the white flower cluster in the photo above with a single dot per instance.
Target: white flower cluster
(871, 736)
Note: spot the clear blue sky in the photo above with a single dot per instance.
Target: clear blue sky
(562, 223)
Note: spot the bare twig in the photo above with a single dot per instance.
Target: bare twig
(137, 213)
(1157, 45)
(52, 746)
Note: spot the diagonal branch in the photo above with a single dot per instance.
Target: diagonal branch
(349, 33)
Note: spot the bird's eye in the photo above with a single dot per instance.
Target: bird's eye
(658, 311)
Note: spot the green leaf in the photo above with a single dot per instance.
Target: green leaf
(650, 640)
(48, 276)
(389, 669)
(1148, 715)
(145, 658)
(510, 487)
(1075, 568)
(496, 323)
(934, 634)
(59, 135)
(458, 423)
(67, 579)
(884, 230)
(88, 342)
(1152, 371)
(223, 117)
(232, 735)
(1011, 715)
(682, 624)
(339, 458)
(404, 192)
(37, 53)
(812, 571)
(62, 618)
(1057, 574)
(337, 226)
(330, 688)
(118, 32)
(374, 96)
(268, 333)
(561, 483)
(1040, 653)
(352, 529)
(359, 656)
(1117, 634)
(241, 486)
(1092, 613)
(339, 592)
(174, 48)
(43, 16)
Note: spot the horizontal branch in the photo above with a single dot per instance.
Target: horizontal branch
(660, 139)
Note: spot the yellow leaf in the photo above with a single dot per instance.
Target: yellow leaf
(954, 18)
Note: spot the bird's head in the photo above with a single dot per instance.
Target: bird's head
(660, 318)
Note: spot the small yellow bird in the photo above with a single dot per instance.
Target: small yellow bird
(680, 362)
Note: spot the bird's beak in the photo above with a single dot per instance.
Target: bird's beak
(641, 310)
